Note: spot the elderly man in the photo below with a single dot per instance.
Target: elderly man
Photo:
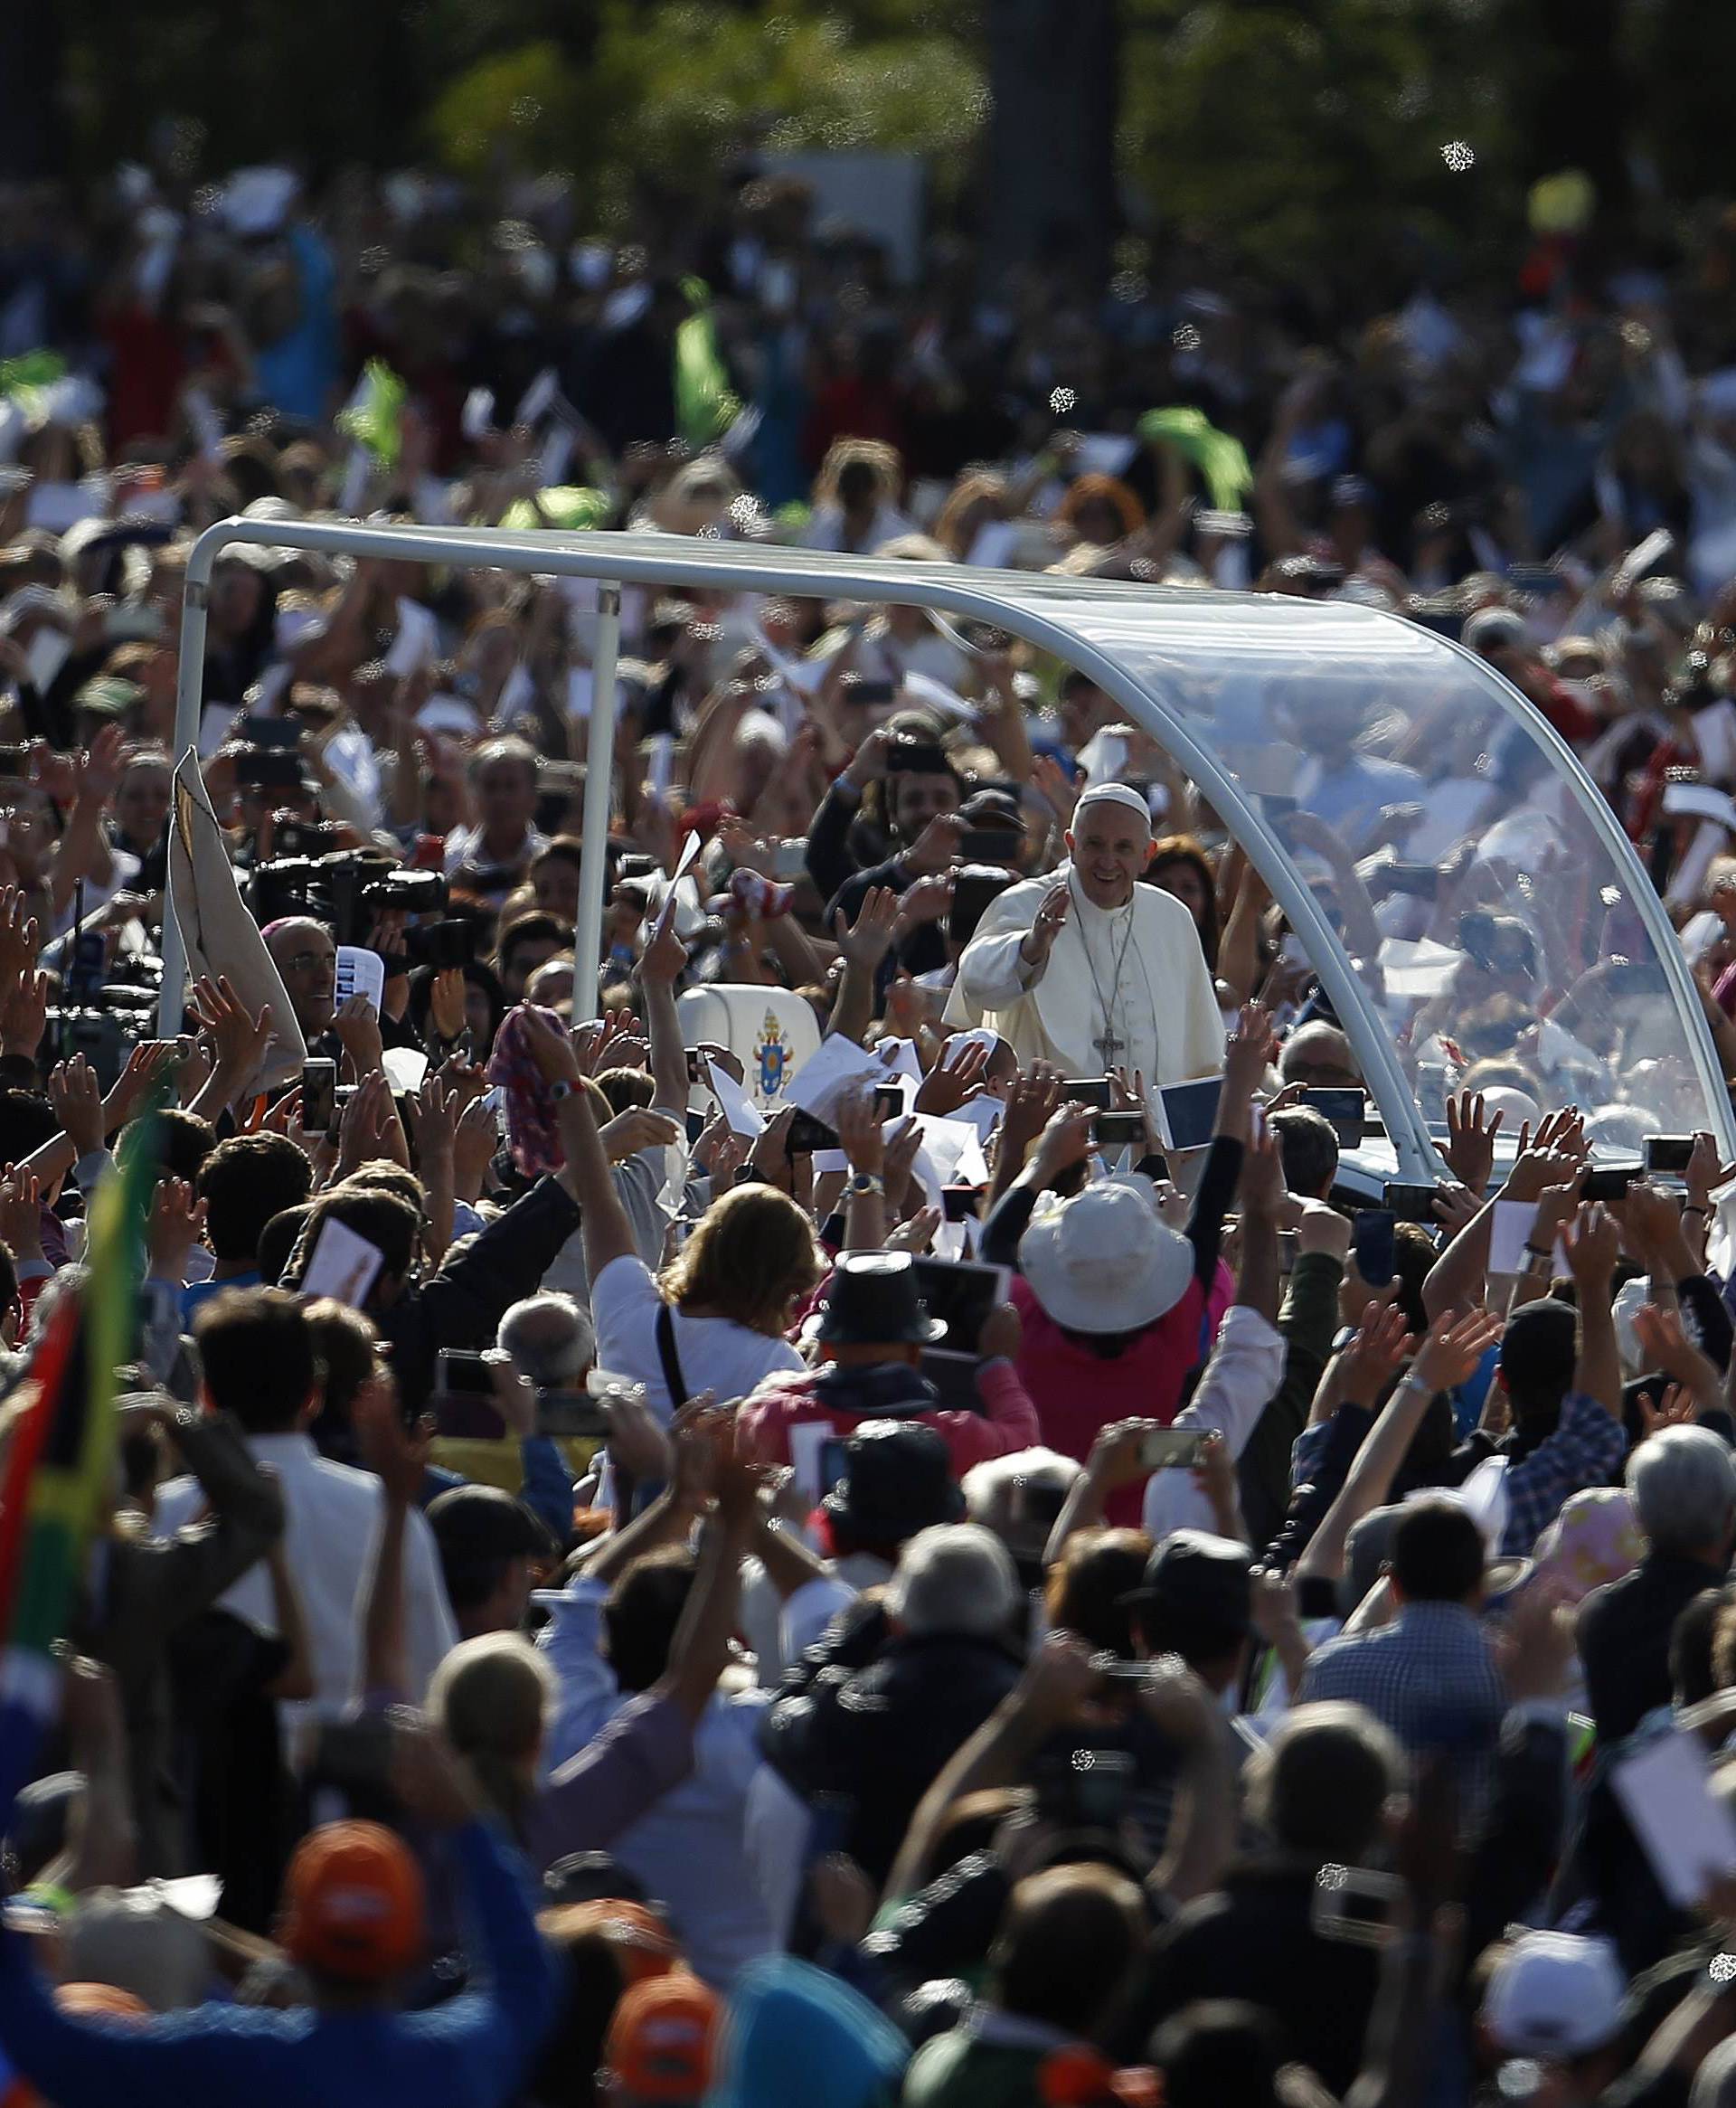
(1089, 968)
(306, 958)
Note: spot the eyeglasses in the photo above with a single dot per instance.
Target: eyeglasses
(306, 962)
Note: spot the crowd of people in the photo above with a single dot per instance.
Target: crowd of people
(847, 1494)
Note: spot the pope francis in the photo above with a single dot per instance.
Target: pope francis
(1089, 968)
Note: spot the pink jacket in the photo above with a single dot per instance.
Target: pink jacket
(1010, 1424)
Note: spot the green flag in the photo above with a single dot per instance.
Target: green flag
(706, 406)
(374, 416)
(1220, 460)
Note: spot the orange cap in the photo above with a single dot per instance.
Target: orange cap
(659, 2046)
(640, 1941)
(352, 1904)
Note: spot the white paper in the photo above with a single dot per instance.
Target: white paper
(214, 721)
(517, 692)
(1704, 800)
(816, 1084)
(59, 505)
(49, 650)
(537, 398)
(1419, 970)
(342, 1266)
(414, 644)
(1510, 1227)
(360, 972)
(983, 1113)
(1688, 1835)
(557, 452)
(953, 1150)
(674, 894)
(1103, 453)
(743, 1115)
(356, 471)
(406, 1068)
(994, 544)
(1104, 756)
(803, 674)
(1714, 733)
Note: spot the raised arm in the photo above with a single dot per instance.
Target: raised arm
(1593, 1250)
(607, 1233)
(659, 969)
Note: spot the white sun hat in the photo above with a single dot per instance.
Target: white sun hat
(1103, 1263)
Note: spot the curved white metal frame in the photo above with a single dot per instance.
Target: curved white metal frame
(1025, 603)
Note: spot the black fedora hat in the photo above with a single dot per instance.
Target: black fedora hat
(870, 1301)
(897, 1480)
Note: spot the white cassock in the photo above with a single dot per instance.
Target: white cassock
(1133, 976)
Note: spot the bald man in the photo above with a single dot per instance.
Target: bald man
(1091, 970)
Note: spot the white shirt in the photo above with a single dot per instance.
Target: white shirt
(716, 1353)
(691, 1850)
(331, 1518)
(1238, 1383)
(464, 842)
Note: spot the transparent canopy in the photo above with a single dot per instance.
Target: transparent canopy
(1464, 894)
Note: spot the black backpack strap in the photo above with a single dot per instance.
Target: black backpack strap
(671, 1360)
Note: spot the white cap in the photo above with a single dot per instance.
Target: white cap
(1113, 794)
(1554, 1995)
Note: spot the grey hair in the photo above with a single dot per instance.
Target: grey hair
(1320, 1784)
(957, 1578)
(989, 1485)
(1684, 1485)
(551, 1338)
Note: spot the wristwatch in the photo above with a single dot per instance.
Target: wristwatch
(863, 1184)
(561, 1089)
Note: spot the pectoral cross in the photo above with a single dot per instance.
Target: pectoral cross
(1108, 1046)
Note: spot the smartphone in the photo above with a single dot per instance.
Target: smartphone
(1608, 1182)
(1088, 1090)
(280, 733)
(355, 1753)
(974, 892)
(1172, 1448)
(1353, 1904)
(696, 1070)
(462, 1374)
(1421, 880)
(960, 1203)
(1191, 1111)
(961, 1294)
(835, 1465)
(1346, 1110)
(1410, 1204)
(1668, 1153)
(889, 1101)
(807, 1134)
(1120, 1130)
(268, 769)
(570, 1413)
(1086, 1789)
(318, 1096)
(1372, 1240)
(789, 860)
(989, 846)
(871, 693)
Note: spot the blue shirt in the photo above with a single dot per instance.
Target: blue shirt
(472, 2052)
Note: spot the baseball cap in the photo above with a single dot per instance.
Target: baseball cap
(659, 2045)
(1197, 1577)
(352, 1904)
(1554, 1995)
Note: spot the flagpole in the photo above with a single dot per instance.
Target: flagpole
(600, 775)
(189, 680)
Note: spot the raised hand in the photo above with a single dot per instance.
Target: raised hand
(865, 942)
(901, 1161)
(357, 1026)
(1372, 1357)
(857, 1121)
(1453, 1349)
(638, 1128)
(446, 1003)
(177, 1223)
(1470, 1141)
(957, 1075)
(18, 938)
(20, 1214)
(1065, 1141)
(935, 848)
(239, 1040)
(78, 1105)
(1593, 1250)
(1249, 1052)
(548, 1047)
(1031, 1104)
(434, 1120)
(1668, 1347)
(1039, 939)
